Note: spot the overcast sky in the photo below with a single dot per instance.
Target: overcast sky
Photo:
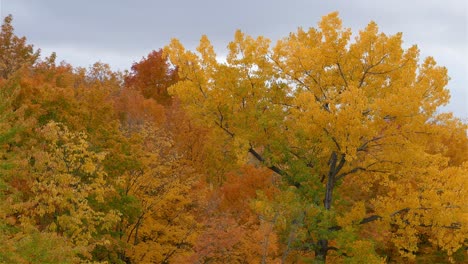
(120, 32)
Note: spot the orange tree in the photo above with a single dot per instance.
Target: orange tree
(14, 52)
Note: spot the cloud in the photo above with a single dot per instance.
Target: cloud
(121, 32)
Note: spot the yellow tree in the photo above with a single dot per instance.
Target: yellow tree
(66, 189)
(163, 183)
(347, 123)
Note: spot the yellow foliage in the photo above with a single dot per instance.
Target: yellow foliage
(163, 184)
(67, 177)
(356, 114)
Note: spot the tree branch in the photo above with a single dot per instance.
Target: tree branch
(342, 75)
(271, 167)
(361, 82)
(356, 169)
(333, 138)
(365, 144)
(220, 123)
(373, 218)
(262, 160)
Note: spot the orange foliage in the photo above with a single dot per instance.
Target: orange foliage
(14, 52)
(233, 233)
(134, 110)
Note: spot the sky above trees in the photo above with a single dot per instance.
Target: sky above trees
(119, 32)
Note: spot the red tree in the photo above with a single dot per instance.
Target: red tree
(152, 76)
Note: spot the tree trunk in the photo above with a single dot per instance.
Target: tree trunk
(321, 251)
(322, 244)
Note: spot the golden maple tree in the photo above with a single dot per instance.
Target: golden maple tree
(327, 113)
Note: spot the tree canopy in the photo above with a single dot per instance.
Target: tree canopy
(325, 147)
(348, 124)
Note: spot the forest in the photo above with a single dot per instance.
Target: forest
(327, 146)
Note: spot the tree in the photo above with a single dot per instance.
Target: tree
(14, 52)
(152, 76)
(35, 98)
(163, 183)
(330, 115)
(66, 189)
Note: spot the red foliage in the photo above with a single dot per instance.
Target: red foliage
(152, 76)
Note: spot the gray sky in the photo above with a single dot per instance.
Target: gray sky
(120, 32)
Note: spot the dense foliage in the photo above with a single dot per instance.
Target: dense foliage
(319, 148)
